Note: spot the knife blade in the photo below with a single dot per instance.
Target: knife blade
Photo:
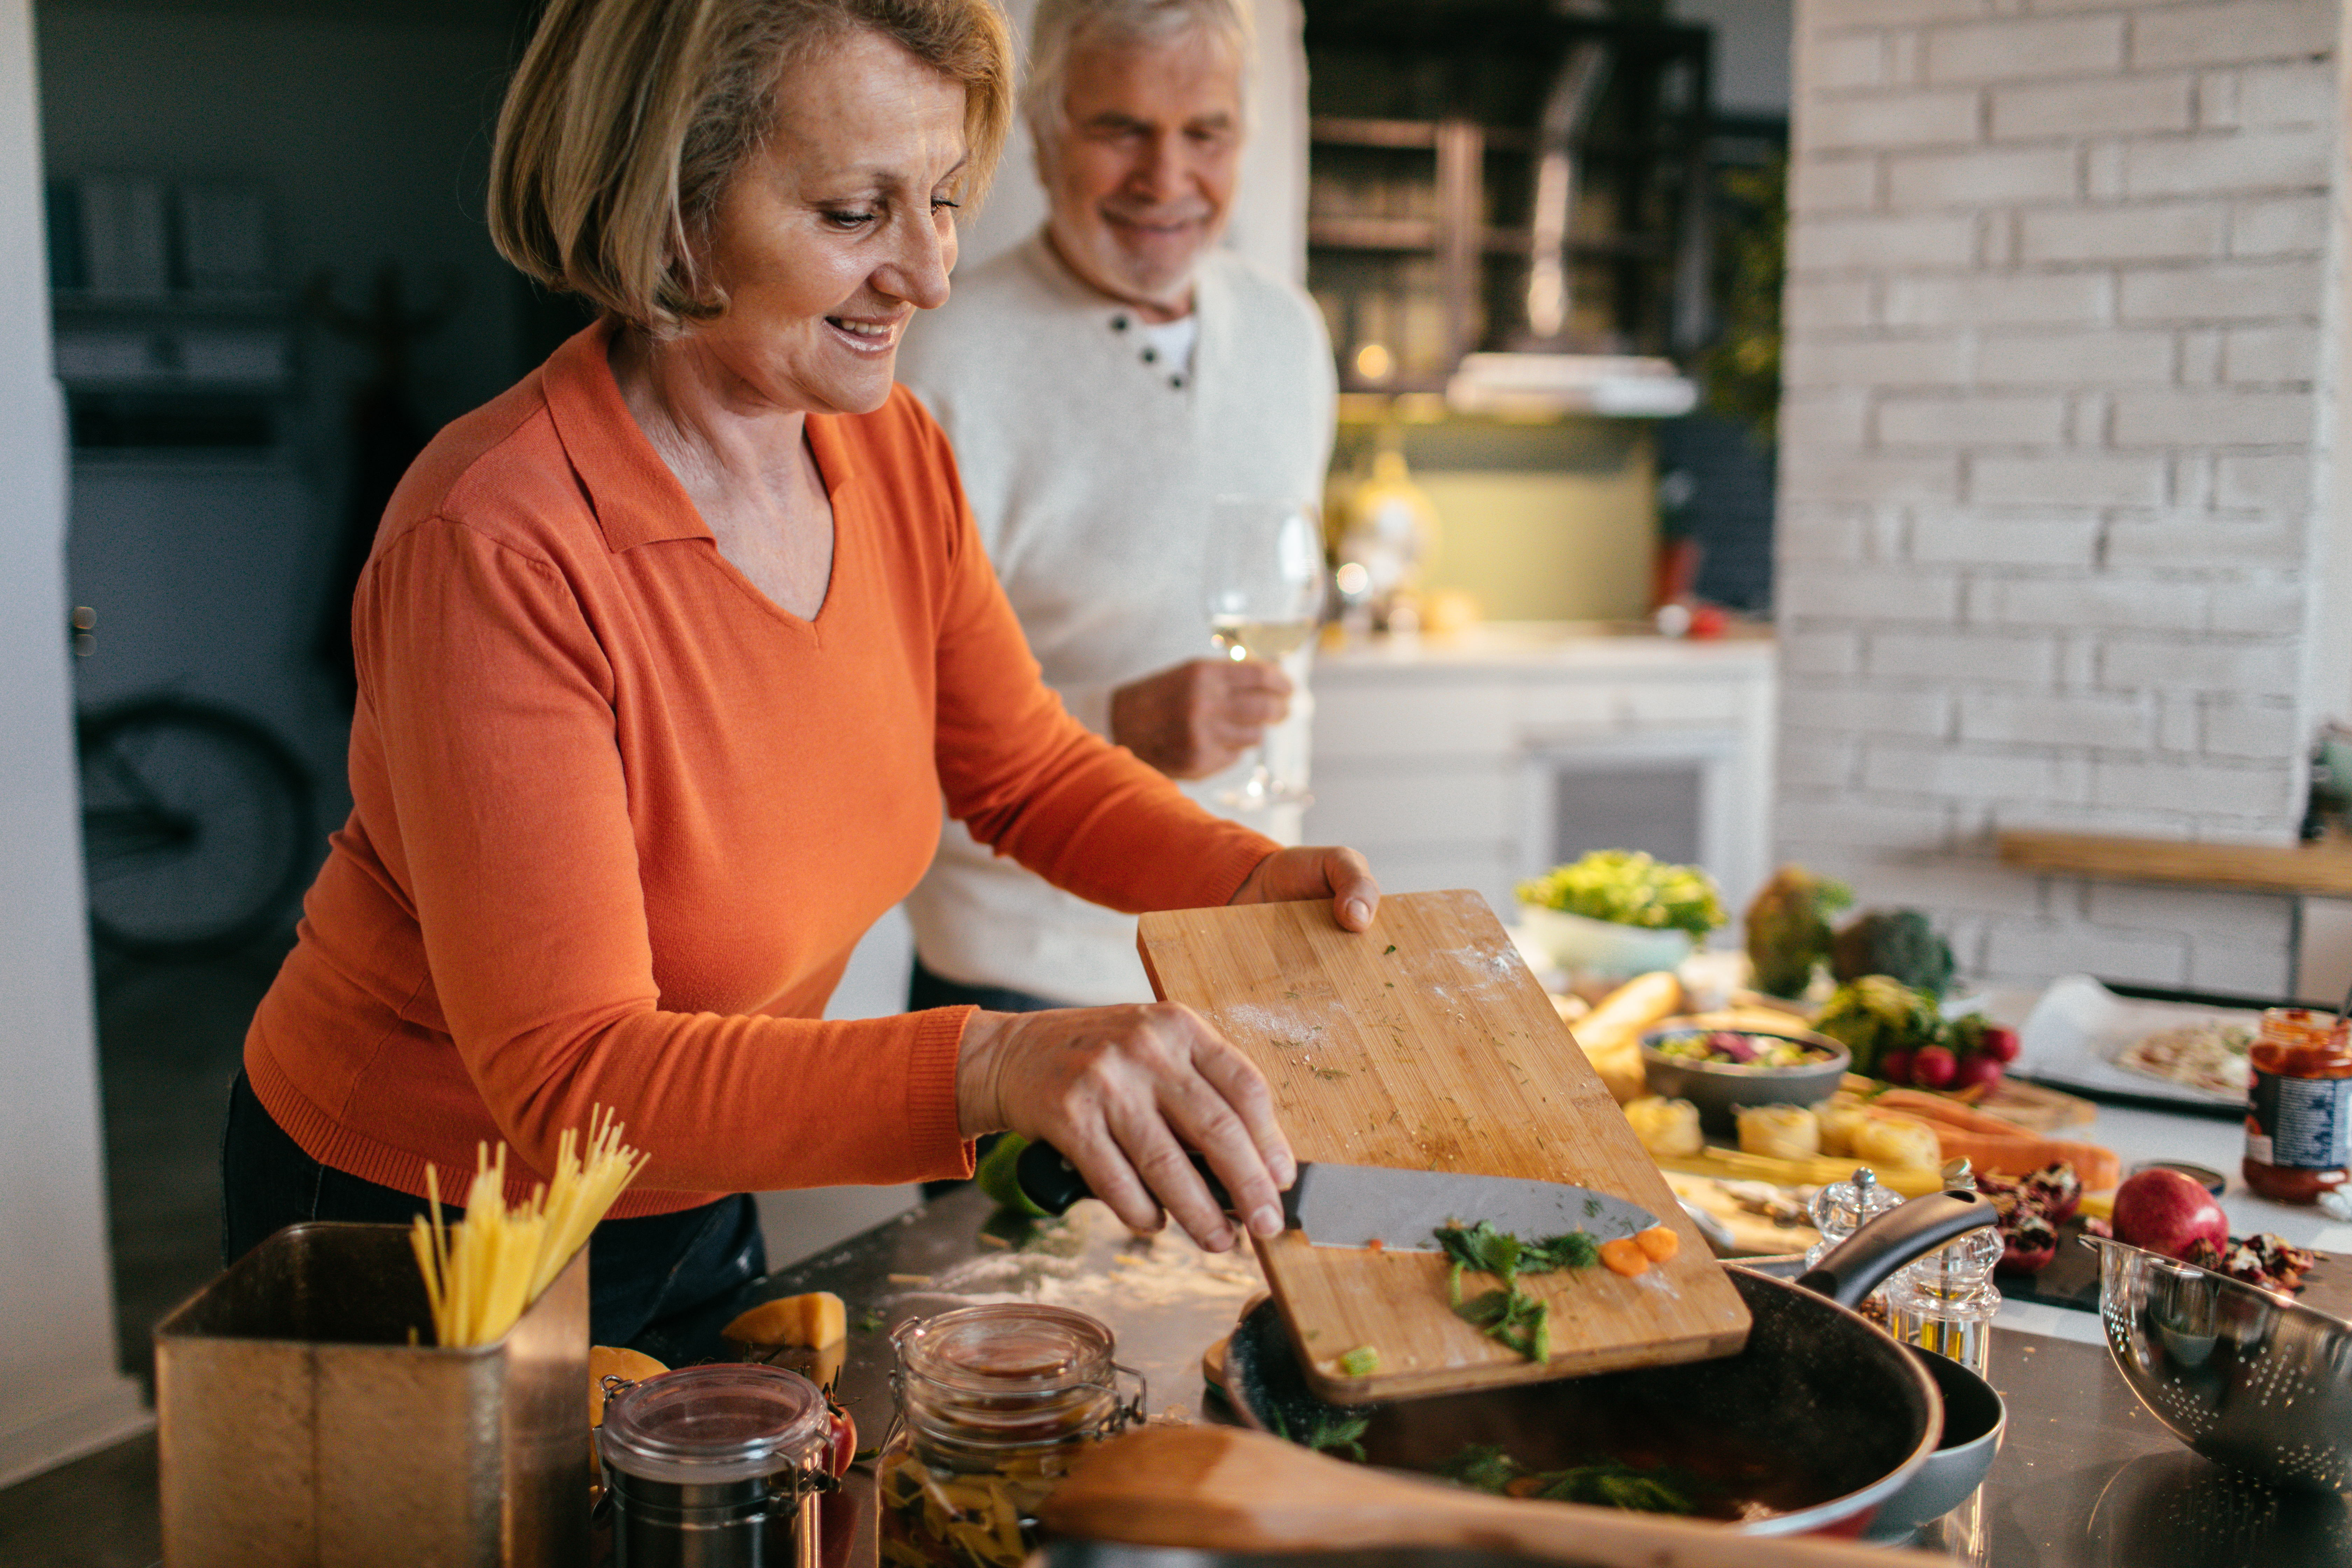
(1364, 1205)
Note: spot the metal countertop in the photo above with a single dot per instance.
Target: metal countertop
(2085, 1477)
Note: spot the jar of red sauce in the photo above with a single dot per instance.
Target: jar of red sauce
(2299, 1106)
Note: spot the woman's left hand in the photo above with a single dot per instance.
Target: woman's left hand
(1320, 871)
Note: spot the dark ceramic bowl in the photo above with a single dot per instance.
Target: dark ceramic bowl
(1720, 1088)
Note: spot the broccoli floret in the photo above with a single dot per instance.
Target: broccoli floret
(1788, 928)
(1895, 942)
(1875, 1015)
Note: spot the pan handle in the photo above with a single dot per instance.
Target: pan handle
(1862, 1262)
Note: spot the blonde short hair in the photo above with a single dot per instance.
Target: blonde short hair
(1061, 27)
(627, 118)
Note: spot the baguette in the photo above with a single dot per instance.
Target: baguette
(1624, 1013)
(1611, 1035)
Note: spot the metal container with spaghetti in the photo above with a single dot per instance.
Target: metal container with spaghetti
(995, 1405)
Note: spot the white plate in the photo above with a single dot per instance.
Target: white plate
(2074, 1032)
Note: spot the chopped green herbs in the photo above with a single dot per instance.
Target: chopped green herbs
(1513, 1318)
(1481, 1467)
(1390, 948)
(1330, 1072)
(871, 1322)
(1484, 1467)
(1361, 1361)
(1510, 1316)
(1342, 1434)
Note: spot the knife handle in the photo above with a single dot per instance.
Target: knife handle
(1053, 1184)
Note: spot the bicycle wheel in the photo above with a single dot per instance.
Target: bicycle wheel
(195, 828)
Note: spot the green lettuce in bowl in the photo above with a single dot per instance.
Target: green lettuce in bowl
(1625, 887)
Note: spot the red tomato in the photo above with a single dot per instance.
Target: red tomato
(841, 1441)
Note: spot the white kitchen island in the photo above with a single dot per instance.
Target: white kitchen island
(1480, 758)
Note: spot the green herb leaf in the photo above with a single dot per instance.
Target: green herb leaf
(1481, 1467)
(1577, 1249)
(1361, 1361)
(1487, 1310)
(1336, 1433)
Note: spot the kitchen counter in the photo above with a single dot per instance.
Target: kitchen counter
(1550, 643)
(2085, 1478)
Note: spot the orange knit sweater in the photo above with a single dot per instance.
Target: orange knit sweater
(619, 820)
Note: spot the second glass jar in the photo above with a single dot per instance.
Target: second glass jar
(996, 1404)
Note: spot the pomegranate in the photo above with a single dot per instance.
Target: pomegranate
(2057, 1189)
(2165, 1211)
(2028, 1246)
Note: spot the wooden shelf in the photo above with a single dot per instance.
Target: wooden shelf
(2322, 869)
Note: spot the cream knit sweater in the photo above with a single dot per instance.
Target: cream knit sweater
(1090, 468)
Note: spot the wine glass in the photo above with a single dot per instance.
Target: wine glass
(1265, 582)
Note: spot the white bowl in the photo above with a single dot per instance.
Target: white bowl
(1582, 946)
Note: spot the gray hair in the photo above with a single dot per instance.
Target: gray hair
(1063, 26)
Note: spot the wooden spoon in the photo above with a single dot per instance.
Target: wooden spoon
(1223, 1489)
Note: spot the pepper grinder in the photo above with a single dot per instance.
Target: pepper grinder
(1841, 1208)
(1945, 1302)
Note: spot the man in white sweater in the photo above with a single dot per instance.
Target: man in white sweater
(1103, 382)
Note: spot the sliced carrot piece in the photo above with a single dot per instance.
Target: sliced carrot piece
(1624, 1256)
(1658, 1243)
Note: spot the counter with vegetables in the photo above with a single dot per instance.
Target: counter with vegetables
(2083, 1473)
(2085, 1477)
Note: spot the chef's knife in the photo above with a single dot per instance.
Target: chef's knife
(1363, 1205)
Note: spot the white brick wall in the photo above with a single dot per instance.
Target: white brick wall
(2047, 458)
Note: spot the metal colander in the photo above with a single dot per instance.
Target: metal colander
(2247, 1377)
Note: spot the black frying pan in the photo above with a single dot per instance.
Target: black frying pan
(1821, 1418)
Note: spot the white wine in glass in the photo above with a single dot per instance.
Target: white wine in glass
(1265, 589)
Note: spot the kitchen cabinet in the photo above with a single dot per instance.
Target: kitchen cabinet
(1476, 761)
(1504, 176)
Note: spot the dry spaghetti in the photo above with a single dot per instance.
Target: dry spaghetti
(482, 1272)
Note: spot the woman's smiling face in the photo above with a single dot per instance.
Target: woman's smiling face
(838, 230)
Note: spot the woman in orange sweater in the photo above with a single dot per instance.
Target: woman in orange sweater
(667, 657)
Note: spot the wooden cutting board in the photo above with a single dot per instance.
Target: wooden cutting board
(1427, 1044)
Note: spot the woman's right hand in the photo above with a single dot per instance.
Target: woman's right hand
(1123, 1092)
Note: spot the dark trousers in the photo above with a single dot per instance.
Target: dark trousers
(642, 1273)
(927, 988)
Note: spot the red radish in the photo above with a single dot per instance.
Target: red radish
(2000, 1042)
(1894, 1067)
(2165, 1211)
(1975, 1070)
(1933, 1067)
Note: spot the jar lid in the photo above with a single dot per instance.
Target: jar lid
(703, 1425)
(1011, 1347)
